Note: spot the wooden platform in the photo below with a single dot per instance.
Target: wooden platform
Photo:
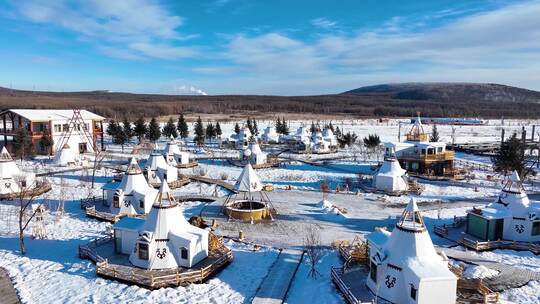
(43, 188)
(8, 294)
(109, 266)
(271, 163)
(213, 181)
(191, 164)
(103, 216)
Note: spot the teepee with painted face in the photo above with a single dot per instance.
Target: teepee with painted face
(166, 239)
(404, 265)
(11, 177)
(132, 195)
(510, 217)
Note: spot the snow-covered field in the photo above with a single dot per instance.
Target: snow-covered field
(51, 271)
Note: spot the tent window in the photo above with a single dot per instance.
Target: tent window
(141, 204)
(184, 253)
(373, 272)
(116, 201)
(143, 251)
(413, 292)
(164, 176)
(536, 228)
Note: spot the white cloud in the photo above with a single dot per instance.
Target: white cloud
(496, 46)
(187, 90)
(121, 28)
(324, 23)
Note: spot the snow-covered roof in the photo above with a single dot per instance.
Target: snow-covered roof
(428, 269)
(5, 156)
(130, 223)
(248, 181)
(53, 114)
(8, 167)
(391, 167)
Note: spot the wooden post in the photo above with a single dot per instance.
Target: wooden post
(502, 136)
(241, 235)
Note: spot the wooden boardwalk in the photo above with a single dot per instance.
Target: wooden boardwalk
(208, 180)
(509, 276)
(276, 284)
(8, 294)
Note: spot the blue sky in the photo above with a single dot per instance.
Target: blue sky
(265, 47)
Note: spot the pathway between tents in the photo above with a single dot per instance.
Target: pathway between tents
(8, 294)
(509, 276)
(275, 286)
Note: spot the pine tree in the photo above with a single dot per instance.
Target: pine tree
(119, 136)
(218, 130)
(154, 131)
(278, 126)
(182, 127)
(372, 141)
(284, 127)
(331, 127)
(511, 157)
(199, 132)
(255, 128)
(236, 128)
(140, 128)
(249, 125)
(112, 128)
(338, 132)
(313, 128)
(170, 129)
(23, 147)
(209, 130)
(47, 141)
(128, 130)
(434, 134)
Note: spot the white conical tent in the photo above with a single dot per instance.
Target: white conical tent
(169, 239)
(406, 259)
(257, 155)
(270, 135)
(514, 198)
(8, 168)
(65, 156)
(171, 147)
(391, 177)
(248, 181)
(155, 160)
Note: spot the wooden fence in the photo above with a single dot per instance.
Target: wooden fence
(467, 289)
(490, 245)
(219, 254)
(443, 230)
(104, 216)
(343, 288)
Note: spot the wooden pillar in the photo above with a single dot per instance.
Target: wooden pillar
(5, 129)
(502, 136)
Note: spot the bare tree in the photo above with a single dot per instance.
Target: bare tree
(100, 156)
(313, 249)
(25, 195)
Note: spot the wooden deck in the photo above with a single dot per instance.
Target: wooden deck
(8, 294)
(213, 181)
(219, 256)
(190, 164)
(103, 216)
(272, 162)
(42, 188)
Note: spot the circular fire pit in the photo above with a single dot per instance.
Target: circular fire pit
(247, 210)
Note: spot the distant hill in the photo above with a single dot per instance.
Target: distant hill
(387, 100)
(452, 92)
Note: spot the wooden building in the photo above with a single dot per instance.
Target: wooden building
(84, 132)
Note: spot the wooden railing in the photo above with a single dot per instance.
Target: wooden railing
(443, 230)
(345, 290)
(446, 155)
(477, 286)
(501, 244)
(113, 218)
(157, 278)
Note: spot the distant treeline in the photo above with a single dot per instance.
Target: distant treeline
(130, 106)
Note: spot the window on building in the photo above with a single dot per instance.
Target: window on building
(86, 127)
(141, 204)
(423, 151)
(143, 251)
(373, 272)
(65, 127)
(116, 201)
(414, 166)
(184, 253)
(439, 150)
(413, 292)
(535, 228)
(57, 128)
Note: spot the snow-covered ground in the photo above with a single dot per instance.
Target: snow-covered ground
(51, 271)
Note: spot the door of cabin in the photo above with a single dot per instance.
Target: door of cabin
(499, 227)
(83, 148)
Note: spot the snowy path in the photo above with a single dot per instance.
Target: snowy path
(276, 284)
(509, 276)
(8, 295)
